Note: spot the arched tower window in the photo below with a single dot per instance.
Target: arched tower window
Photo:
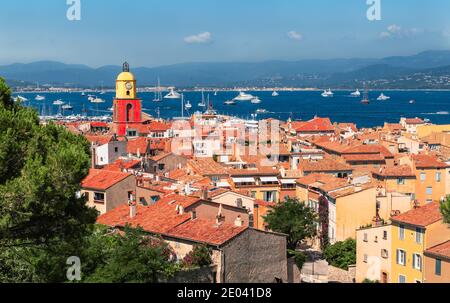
(129, 112)
(128, 92)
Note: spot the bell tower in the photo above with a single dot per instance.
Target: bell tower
(127, 106)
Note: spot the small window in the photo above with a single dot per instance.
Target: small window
(422, 177)
(429, 190)
(99, 197)
(438, 177)
(419, 235)
(376, 239)
(401, 232)
(417, 262)
(161, 166)
(385, 235)
(365, 258)
(401, 181)
(365, 237)
(401, 257)
(401, 279)
(116, 149)
(438, 267)
(384, 253)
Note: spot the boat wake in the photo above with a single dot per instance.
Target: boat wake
(437, 113)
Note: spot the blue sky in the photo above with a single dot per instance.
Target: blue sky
(159, 32)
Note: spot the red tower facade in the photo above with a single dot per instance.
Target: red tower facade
(127, 106)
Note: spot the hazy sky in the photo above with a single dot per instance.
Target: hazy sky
(159, 32)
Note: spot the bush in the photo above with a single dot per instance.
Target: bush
(341, 254)
(299, 258)
(200, 256)
(370, 281)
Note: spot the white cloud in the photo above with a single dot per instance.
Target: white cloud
(205, 37)
(396, 31)
(295, 35)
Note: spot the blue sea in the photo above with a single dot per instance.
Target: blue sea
(300, 105)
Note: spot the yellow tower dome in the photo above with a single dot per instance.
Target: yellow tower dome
(126, 84)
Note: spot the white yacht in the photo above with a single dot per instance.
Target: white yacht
(58, 102)
(97, 100)
(39, 98)
(67, 107)
(327, 93)
(230, 102)
(21, 98)
(275, 94)
(383, 97)
(256, 100)
(83, 94)
(261, 111)
(172, 94)
(356, 93)
(188, 105)
(244, 97)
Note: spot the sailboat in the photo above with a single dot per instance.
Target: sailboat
(172, 94)
(158, 94)
(39, 98)
(275, 94)
(67, 107)
(202, 103)
(97, 100)
(58, 102)
(365, 99)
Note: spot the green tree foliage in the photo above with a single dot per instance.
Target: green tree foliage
(293, 218)
(128, 257)
(5, 94)
(199, 256)
(341, 254)
(299, 258)
(445, 209)
(42, 221)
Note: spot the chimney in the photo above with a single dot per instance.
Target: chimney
(220, 218)
(180, 210)
(93, 157)
(204, 195)
(133, 205)
(239, 222)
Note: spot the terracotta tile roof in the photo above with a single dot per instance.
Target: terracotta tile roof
(369, 149)
(428, 161)
(441, 251)
(258, 171)
(206, 167)
(157, 126)
(99, 139)
(314, 125)
(207, 231)
(323, 165)
(139, 144)
(160, 156)
(99, 124)
(422, 216)
(141, 128)
(264, 203)
(323, 181)
(121, 164)
(363, 157)
(352, 126)
(394, 171)
(102, 179)
(163, 218)
(414, 121)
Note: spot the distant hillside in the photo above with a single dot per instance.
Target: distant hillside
(303, 73)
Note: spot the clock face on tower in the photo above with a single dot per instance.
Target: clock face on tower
(129, 85)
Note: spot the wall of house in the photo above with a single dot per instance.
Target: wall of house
(392, 185)
(426, 130)
(171, 162)
(393, 201)
(230, 198)
(430, 273)
(106, 153)
(255, 257)
(209, 210)
(376, 264)
(438, 188)
(354, 211)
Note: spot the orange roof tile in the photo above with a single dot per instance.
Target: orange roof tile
(422, 216)
(323, 165)
(441, 251)
(428, 161)
(102, 179)
(314, 125)
(99, 139)
(394, 171)
(139, 144)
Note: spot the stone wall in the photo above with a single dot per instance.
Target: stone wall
(197, 275)
(255, 257)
